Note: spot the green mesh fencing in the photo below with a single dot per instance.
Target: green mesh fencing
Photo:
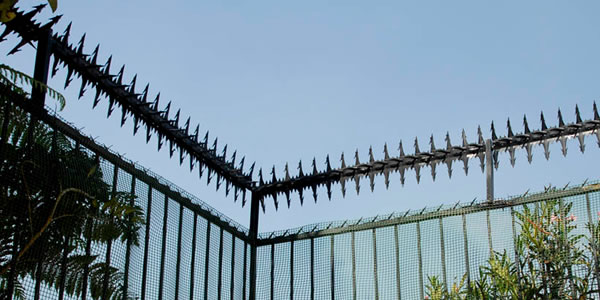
(392, 257)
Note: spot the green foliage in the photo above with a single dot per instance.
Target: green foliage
(14, 79)
(553, 262)
(7, 12)
(54, 204)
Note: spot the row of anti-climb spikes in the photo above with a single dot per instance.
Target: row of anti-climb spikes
(436, 156)
(27, 28)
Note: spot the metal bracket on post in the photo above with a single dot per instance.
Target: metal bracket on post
(489, 170)
(253, 232)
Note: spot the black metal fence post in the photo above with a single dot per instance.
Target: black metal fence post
(253, 235)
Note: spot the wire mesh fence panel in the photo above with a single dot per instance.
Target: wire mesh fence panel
(365, 268)
(282, 271)
(302, 271)
(238, 272)
(227, 257)
(322, 268)
(213, 263)
(478, 242)
(199, 261)
(136, 265)
(454, 246)
(185, 268)
(386, 263)
(409, 261)
(342, 266)
(263, 272)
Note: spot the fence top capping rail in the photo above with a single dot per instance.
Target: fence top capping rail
(168, 130)
(138, 172)
(340, 227)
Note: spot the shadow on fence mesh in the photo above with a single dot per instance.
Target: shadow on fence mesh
(79, 222)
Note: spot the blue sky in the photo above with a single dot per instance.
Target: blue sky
(288, 81)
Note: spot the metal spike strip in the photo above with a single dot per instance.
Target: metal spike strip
(124, 96)
(510, 143)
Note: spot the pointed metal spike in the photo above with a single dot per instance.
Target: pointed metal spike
(136, 126)
(224, 154)
(386, 178)
(314, 190)
(120, 75)
(563, 145)
(598, 136)
(192, 160)
(97, 97)
(196, 133)
(287, 172)
(82, 89)
(343, 161)
(561, 122)
(596, 115)
(123, 116)
(418, 172)
(208, 175)
(287, 198)
(465, 160)
(176, 119)
(417, 151)
(493, 130)
(580, 138)
(94, 58)
(181, 156)
(495, 159)
(529, 147)
(433, 172)
(448, 143)
(314, 165)
(232, 162)
(401, 149)
(18, 47)
(148, 133)
(449, 165)
(464, 139)
(328, 185)
(81, 43)
(386, 155)
(577, 115)
(372, 180)
(214, 146)
(5, 33)
(187, 126)
(480, 139)
(205, 142)
(251, 169)
(243, 197)
(241, 167)
(510, 132)
(69, 75)
(144, 96)
(432, 144)
(111, 103)
(132, 84)
(275, 201)
(274, 179)
(262, 204)
(402, 170)
(165, 112)
(260, 177)
(66, 34)
(511, 151)
(227, 187)
(343, 186)
(371, 158)
(357, 183)
(53, 21)
(525, 125)
(543, 121)
(300, 173)
(327, 164)
(356, 159)
(301, 195)
(160, 141)
(106, 69)
(546, 144)
(236, 193)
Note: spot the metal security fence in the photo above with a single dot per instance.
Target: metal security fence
(391, 257)
(185, 250)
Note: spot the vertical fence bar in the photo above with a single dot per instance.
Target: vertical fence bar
(331, 259)
(146, 240)
(109, 243)
(128, 249)
(489, 170)
(375, 264)
(220, 271)
(272, 272)
(594, 242)
(245, 270)
(193, 258)
(489, 232)
(353, 265)
(231, 285)
(206, 260)
(178, 262)
(312, 268)
(466, 244)
(397, 254)
(63, 270)
(421, 292)
(253, 235)
(443, 254)
(161, 275)
(291, 270)
(514, 236)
